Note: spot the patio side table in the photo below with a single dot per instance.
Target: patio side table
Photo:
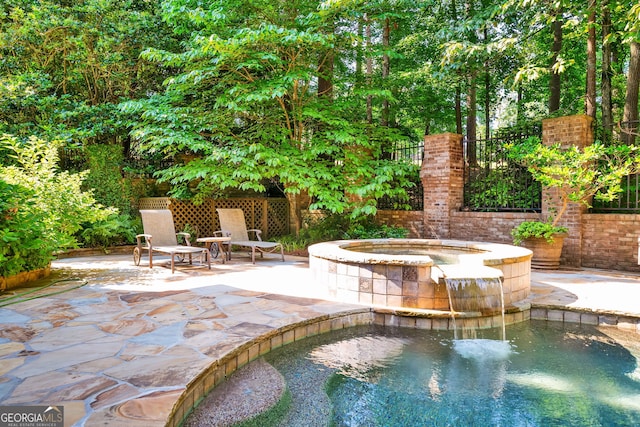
(221, 244)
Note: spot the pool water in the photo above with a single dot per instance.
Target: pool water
(547, 373)
(441, 255)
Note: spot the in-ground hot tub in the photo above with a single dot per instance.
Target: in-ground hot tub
(411, 273)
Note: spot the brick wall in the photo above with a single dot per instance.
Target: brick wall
(411, 220)
(442, 179)
(610, 241)
(574, 130)
(596, 240)
(492, 227)
(568, 130)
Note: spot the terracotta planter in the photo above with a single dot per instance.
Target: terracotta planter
(546, 256)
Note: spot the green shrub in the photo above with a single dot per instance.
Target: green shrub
(370, 230)
(536, 229)
(337, 227)
(116, 230)
(44, 208)
(104, 180)
(23, 246)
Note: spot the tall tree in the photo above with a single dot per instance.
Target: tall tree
(630, 114)
(65, 65)
(246, 104)
(605, 79)
(590, 96)
(555, 85)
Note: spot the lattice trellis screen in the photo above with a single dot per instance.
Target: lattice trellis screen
(269, 215)
(154, 203)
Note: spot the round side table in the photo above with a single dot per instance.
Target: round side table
(219, 243)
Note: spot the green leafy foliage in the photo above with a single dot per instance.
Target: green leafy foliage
(43, 208)
(536, 229)
(104, 177)
(66, 65)
(501, 188)
(577, 174)
(246, 104)
(325, 226)
(23, 243)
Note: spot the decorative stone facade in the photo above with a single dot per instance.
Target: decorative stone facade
(384, 274)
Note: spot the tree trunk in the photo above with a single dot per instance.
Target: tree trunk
(359, 54)
(471, 120)
(384, 120)
(630, 114)
(487, 92)
(385, 70)
(325, 75)
(607, 106)
(458, 96)
(369, 70)
(487, 104)
(297, 204)
(590, 98)
(458, 107)
(519, 103)
(555, 82)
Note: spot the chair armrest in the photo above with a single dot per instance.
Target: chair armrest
(258, 233)
(186, 236)
(147, 239)
(221, 233)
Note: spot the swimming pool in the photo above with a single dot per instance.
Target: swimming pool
(547, 373)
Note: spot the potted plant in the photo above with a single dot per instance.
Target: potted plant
(578, 175)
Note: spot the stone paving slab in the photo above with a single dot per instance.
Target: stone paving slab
(121, 349)
(598, 291)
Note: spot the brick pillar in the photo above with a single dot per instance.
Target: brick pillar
(570, 130)
(442, 180)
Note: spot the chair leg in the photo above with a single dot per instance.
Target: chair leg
(173, 264)
(253, 254)
(150, 259)
(282, 253)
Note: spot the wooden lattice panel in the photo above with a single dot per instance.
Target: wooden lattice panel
(254, 212)
(271, 216)
(154, 203)
(278, 217)
(198, 217)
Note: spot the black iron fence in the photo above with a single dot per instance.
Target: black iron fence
(493, 182)
(415, 202)
(408, 151)
(629, 200)
(412, 152)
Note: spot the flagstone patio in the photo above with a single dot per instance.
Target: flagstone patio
(122, 345)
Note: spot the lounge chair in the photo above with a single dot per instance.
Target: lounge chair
(160, 236)
(232, 224)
